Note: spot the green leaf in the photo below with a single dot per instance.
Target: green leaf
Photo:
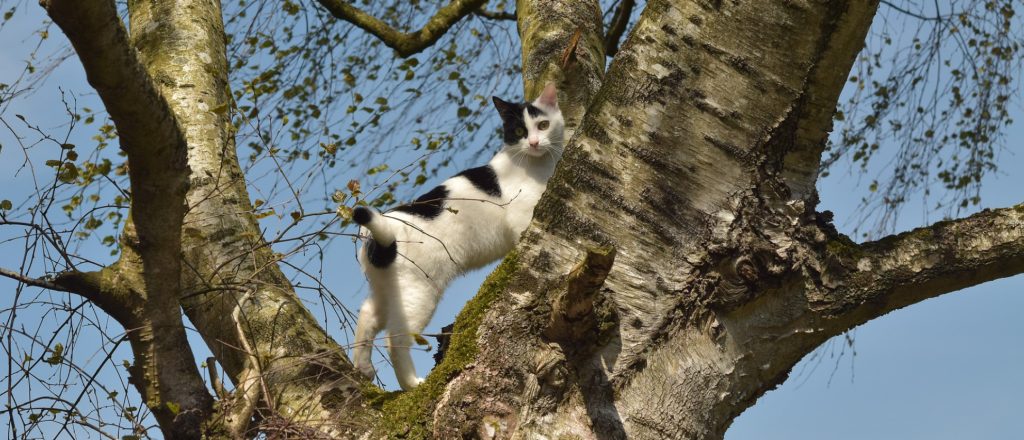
(420, 340)
(6, 205)
(174, 407)
(344, 212)
(58, 355)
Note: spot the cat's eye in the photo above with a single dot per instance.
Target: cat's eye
(543, 125)
(520, 132)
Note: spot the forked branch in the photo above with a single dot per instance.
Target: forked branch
(405, 43)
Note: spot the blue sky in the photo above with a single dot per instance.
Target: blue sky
(948, 368)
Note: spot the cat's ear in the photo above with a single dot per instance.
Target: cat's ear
(549, 97)
(503, 106)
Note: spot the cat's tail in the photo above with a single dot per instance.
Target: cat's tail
(376, 223)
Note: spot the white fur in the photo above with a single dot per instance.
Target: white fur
(474, 230)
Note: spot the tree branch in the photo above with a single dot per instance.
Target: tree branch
(843, 39)
(145, 123)
(495, 15)
(405, 43)
(562, 44)
(618, 27)
(150, 265)
(36, 282)
(88, 285)
(908, 268)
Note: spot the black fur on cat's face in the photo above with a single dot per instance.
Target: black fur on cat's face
(534, 128)
(513, 128)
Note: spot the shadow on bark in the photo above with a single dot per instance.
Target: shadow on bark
(599, 398)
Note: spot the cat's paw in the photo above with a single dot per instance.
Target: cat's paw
(367, 370)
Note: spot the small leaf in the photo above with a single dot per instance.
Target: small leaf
(344, 212)
(420, 340)
(296, 215)
(58, 355)
(6, 205)
(174, 407)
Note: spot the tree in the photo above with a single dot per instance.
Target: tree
(675, 271)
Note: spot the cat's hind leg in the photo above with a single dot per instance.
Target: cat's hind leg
(371, 321)
(405, 323)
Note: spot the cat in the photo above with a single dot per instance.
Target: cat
(470, 220)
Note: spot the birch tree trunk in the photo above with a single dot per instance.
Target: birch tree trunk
(675, 271)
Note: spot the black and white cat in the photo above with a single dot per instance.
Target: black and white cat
(470, 220)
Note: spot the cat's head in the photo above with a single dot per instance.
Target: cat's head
(535, 128)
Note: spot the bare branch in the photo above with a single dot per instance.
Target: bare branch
(405, 43)
(36, 282)
(88, 285)
(618, 27)
(904, 269)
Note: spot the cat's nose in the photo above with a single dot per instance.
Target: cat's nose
(534, 142)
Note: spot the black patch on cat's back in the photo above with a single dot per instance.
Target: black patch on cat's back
(484, 179)
(429, 205)
(381, 256)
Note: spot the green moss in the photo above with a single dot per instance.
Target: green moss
(407, 415)
(844, 248)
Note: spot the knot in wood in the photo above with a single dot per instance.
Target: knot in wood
(746, 270)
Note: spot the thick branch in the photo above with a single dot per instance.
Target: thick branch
(904, 269)
(844, 34)
(562, 43)
(150, 264)
(405, 43)
(618, 27)
(495, 15)
(183, 45)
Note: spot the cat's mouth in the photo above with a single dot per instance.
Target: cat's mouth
(536, 150)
